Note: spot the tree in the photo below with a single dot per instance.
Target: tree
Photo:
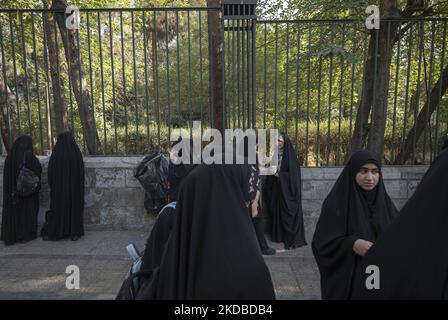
(215, 33)
(59, 102)
(377, 73)
(78, 79)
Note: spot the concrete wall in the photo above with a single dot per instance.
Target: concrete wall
(114, 198)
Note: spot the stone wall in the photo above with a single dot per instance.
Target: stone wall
(114, 198)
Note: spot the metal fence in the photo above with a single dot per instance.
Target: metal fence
(310, 78)
(147, 71)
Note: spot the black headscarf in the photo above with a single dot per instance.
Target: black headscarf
(411, 254)
(349, 213)
(284, 196)
(19, 215)
(213, 252)
(66, 181)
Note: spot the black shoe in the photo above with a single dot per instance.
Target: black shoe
(74, 238)
(268, 251)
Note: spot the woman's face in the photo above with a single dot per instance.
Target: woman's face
(368, 176)
(280, 144)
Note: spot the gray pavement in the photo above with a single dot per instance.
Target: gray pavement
(36, 270)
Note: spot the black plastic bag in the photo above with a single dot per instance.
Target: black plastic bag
(152, 173)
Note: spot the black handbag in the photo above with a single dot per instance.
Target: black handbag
(28, 182)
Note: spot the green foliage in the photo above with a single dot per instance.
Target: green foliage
(308, 74)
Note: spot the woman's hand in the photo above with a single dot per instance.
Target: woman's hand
(254, 205)
(361, 247)
(254, 209)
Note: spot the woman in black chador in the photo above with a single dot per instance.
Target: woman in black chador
(411, 254)
(160, 232)
(356, 211)
(19, 215)
(284, 198)
(66, 181)
(213, 252)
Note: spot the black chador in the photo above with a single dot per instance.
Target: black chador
(411, 254)
(66, 181)
(212, 252)
(349, 213)
(19, 215)
(284, 198)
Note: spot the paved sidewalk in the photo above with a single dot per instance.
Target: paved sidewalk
(36, 270)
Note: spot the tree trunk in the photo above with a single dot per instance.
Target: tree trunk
(375, 84)
(379, 107)
(8, 136)
(216, 42)
(436, 94)
(361, 129)
(59, 102)
(78, 80)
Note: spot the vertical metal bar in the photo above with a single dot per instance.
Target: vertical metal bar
(406, 99)
(124, 86)
(190, 124)
(111, 42)
(366, 49)
(428, 93)
(420, 53)
(308, 95)
(254, 74)
(397, 72)
(201, 102)
(90, 61)
(375, 69)
(5, 79)
(223, 77)
(134, 69)
(296, 142)
(388, 53)
(145, 46)
(248, 73)
(341, 90)
(229, 69)
(211, 77)
(79, 72)
(275, 75)
(265, 75)
(13, 44)
(102, 79)
(330, 93)
(286, 78)
(156, 80)
(90, 69)
(36, 71)
(352, 86)
(26, 74)
(318, 97)
(243, 71)
(442, 63)
(178, 70)
(72, 126)
(234, 101)
(238, 70)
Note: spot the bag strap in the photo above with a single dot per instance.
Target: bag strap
(169, 205)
